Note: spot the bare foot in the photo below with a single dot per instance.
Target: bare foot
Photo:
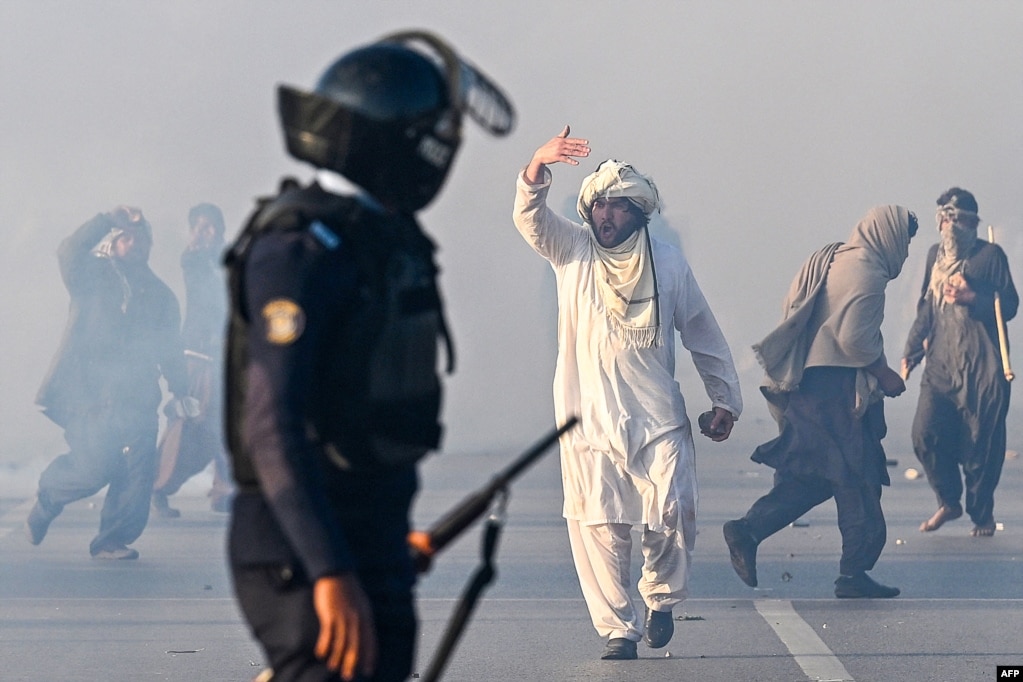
(985, 531)
(943, 514)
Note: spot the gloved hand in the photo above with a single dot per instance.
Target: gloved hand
(182, 408)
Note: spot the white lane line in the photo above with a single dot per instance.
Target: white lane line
(809, 651)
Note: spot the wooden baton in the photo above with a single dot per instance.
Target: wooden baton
(1003, 341)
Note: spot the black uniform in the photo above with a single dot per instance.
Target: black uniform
(123, 332)
(323, 444)
(964, 395)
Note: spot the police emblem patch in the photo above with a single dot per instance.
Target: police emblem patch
(285, 321)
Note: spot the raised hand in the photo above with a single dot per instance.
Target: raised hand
(559, 149)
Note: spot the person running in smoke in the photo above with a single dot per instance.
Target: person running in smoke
(189, 444)
(103, 387)
(964, 392)
(825, 379)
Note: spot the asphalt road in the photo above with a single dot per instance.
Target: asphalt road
(170, 615)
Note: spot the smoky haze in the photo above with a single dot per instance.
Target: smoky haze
(769, 127)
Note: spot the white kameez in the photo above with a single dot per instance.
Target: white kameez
(626, 398)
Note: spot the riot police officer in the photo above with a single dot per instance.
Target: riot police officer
(335, 327)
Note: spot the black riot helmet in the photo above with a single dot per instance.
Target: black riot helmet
(388, 116)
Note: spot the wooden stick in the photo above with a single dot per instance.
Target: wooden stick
(1003, 342)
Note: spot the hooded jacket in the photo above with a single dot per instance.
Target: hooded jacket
(122, 333)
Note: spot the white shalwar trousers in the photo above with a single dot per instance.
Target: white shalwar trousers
(603, 557)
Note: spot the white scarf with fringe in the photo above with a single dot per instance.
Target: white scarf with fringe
(625, 278)
(627, 285)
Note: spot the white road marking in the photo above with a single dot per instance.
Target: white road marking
(809, 651)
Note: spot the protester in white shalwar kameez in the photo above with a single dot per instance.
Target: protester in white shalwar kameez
(631, 461)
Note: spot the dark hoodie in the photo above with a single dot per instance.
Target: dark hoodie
(122, 333)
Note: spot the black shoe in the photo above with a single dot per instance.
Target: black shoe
(162, 509)
(619, 649)
(37, 523)
(742, 549)
(862, 586)
(660, 626)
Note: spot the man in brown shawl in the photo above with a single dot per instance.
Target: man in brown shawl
(826, 376)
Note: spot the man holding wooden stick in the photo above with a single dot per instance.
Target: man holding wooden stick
(966, 299)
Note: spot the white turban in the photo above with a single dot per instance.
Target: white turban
(614, 179)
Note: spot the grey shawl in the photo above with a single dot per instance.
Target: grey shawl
(833, 312)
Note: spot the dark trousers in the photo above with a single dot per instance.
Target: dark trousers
(860, 517)
(278, 605)
(946, 438)
(114, 447)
